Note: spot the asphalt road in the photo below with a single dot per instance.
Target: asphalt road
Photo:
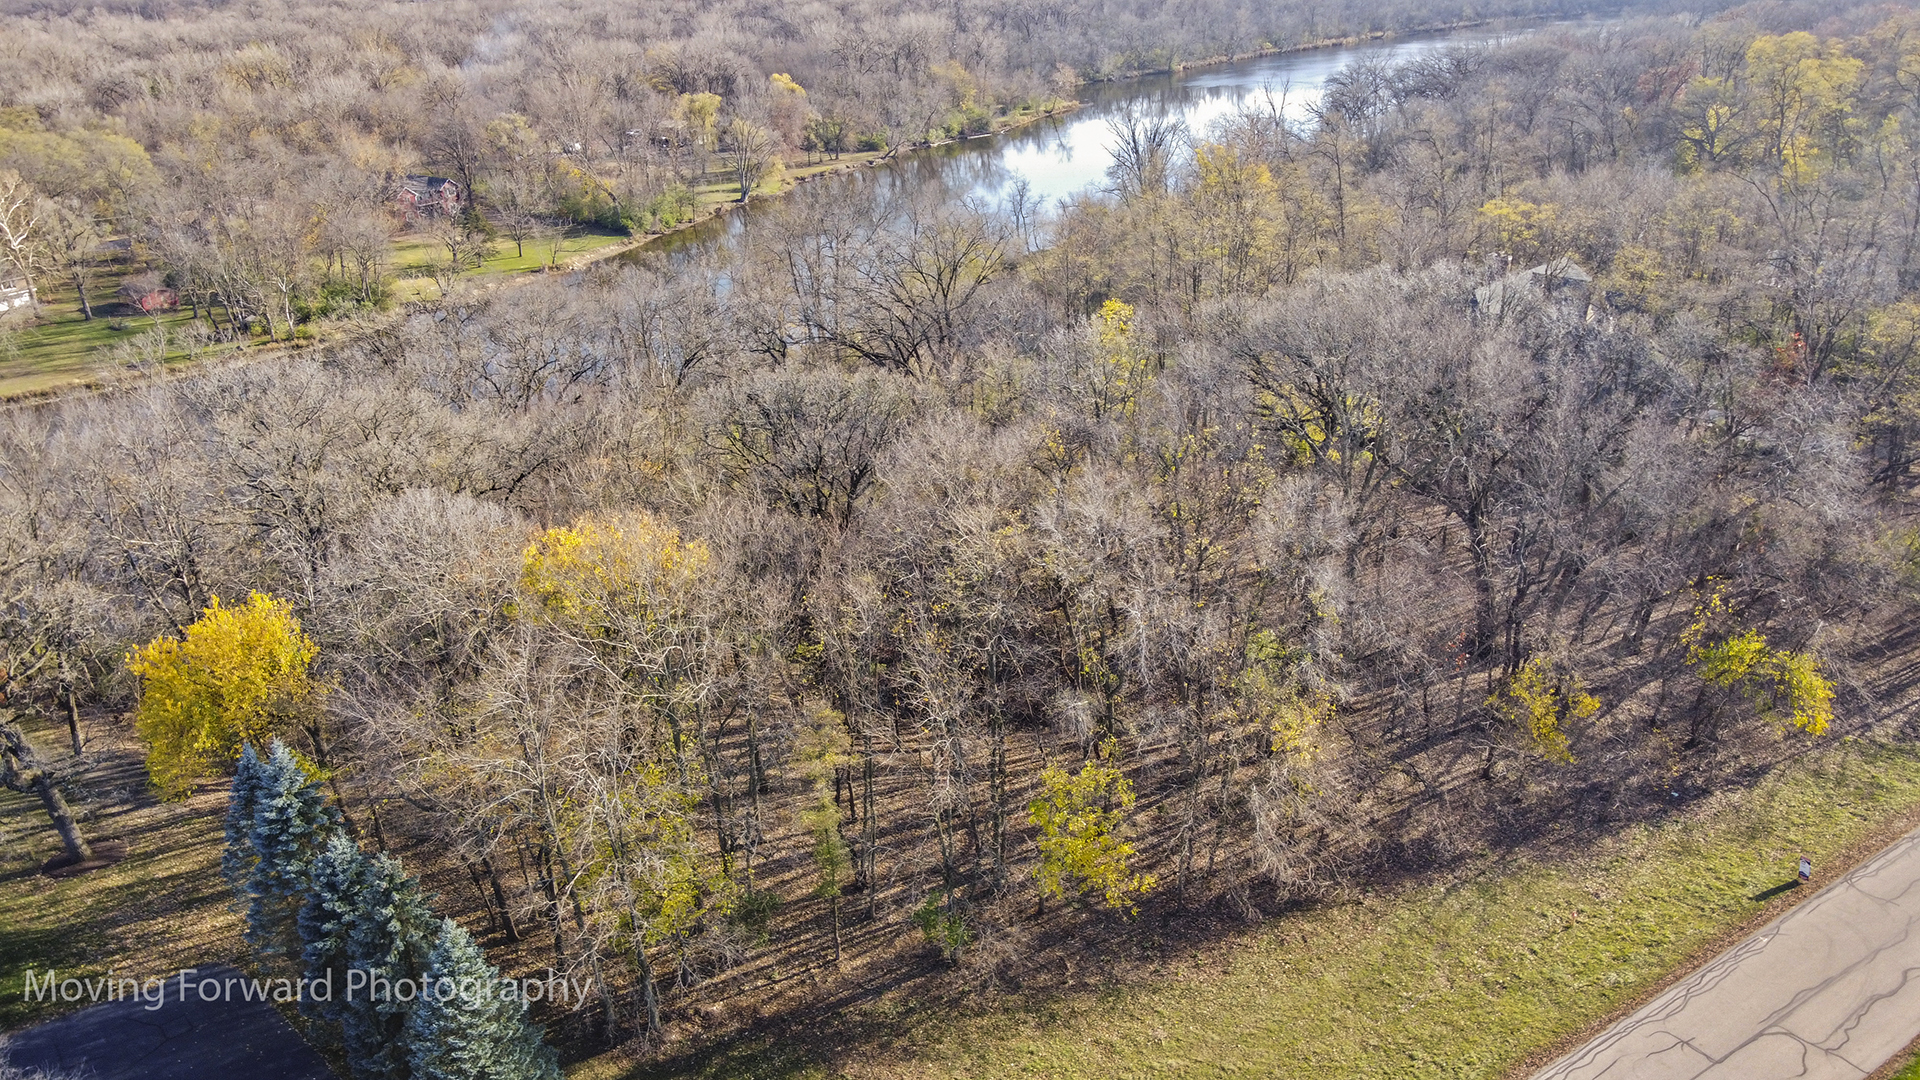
(180, 1040)
(1825, 992)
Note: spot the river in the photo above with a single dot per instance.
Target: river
(1062, 155)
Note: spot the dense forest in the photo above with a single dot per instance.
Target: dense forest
(1518, 447)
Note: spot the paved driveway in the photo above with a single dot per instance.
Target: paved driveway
(181, 1040)
(1825, 992)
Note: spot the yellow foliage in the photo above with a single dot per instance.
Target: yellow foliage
(1713, 128)
(1541, 701)
(1124, 371)
(1116, 322)
(1253, 230)
(1786, 686)
(237, 675)
(596, 571)
(643, 858)
(513, 138)
(1527, 231)
(1806, 90)
(963, 89)
(1637, 272)
(783, 84)
(1079, 817)
(1271, 695)
(702, 112)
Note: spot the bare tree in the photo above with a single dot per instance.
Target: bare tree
(21, 222)
(751, 150)
(22, 769)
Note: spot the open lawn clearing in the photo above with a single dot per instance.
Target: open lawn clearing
(414, 255)
(61, 348)
(165, 907)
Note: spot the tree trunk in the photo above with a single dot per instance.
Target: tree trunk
(77, 848)
(649, 992)
(500, 897)
(22, 770)
(866, 795)
(73, 719)
(833, 911)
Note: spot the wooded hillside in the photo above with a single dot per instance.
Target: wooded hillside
(1520, 447)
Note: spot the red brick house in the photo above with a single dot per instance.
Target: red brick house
(157, 301)
(429, 196)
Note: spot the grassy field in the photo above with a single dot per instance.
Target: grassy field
(163, 908)
(1465, 979)
(413, 257)
(62, 348)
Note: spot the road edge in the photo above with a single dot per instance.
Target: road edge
(1877, 839)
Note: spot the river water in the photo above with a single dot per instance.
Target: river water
(1069, 153)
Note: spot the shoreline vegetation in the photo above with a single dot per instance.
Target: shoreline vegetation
(33, 381)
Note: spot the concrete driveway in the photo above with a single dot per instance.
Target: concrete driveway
(1825, 992)
(181, 1040)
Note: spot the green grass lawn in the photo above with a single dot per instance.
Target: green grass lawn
(413, 257)
(163, 908)
(1458, 980)
(62, 348)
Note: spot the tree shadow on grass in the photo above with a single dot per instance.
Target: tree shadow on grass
(1777, 890)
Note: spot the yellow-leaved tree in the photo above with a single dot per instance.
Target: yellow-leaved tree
(1542, 700)
(1529, 232)
(1786, 687)
(1079, 816)
(1805, 90)
(616, 603)
(1238, 217)
(237, 675)
(602, 574)
(1124, 368)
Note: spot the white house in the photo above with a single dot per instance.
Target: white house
(14, 293)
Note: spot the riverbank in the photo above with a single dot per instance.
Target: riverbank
(1349, 42)
(61, 355)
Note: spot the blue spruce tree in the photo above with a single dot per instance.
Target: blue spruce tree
(292, 823)
(336, 880)
(243, 799)
(388, 936)
(462, 1028)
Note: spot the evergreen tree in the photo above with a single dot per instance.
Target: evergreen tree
(243, 800)
(337, 879)
(389, 935)
(475, 1033)
(292, 823)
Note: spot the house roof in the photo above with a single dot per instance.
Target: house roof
(428, 185)
(1539, 280)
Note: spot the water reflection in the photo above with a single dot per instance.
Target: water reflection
(1057, 157)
